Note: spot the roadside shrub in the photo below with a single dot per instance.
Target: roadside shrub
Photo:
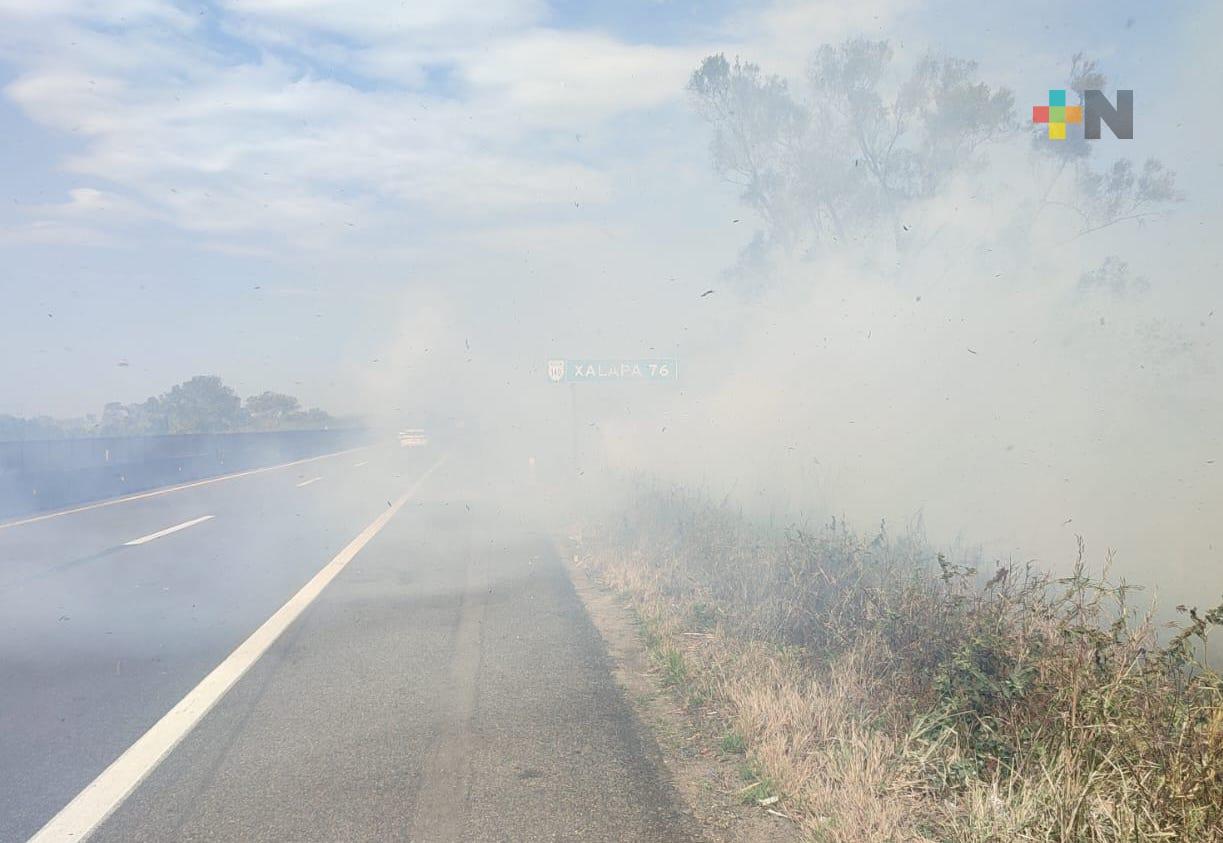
(891, 690)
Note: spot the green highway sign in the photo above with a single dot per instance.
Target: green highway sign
(585, 370)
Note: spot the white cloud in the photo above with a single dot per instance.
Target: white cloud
(547, 72)
(270, 138)
(781, 36)
(53, 233)
(111, 12)
(373, 20)
(88, 203)
(312, 123)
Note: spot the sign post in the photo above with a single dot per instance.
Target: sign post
(573, 424)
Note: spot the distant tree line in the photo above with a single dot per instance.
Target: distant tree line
(203, 404)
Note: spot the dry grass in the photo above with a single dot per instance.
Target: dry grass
(889, 694)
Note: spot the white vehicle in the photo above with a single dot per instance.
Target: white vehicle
(413, 438)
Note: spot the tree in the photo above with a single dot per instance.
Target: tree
(116, 418)
(201, 405)
(1112, 277)
(315, 418)
(757, 130)
(910, 144)
(271, 409)
(842, 159)
(13, 428)
(853, 152)
(1099, 198)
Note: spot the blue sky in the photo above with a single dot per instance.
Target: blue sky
(278, 192)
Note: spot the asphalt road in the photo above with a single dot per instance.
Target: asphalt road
(445, 685)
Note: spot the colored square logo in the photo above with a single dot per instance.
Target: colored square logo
(1057, 114)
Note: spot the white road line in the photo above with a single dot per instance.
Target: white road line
(308, 482)
(168, 530)
(359, 464)
(154, 493)
(80, 817)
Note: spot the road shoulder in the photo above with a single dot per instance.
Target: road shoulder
(706, 779)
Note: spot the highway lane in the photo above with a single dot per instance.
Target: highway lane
(99, 638)
(446, 685)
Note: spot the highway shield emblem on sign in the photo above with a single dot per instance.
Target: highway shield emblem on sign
(556, 370)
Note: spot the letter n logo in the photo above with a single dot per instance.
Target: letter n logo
(1120, 120)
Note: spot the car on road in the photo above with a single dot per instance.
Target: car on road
(413, 437)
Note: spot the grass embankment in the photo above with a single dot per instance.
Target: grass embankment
(888, 694)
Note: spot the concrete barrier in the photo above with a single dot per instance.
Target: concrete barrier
(54, 473)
